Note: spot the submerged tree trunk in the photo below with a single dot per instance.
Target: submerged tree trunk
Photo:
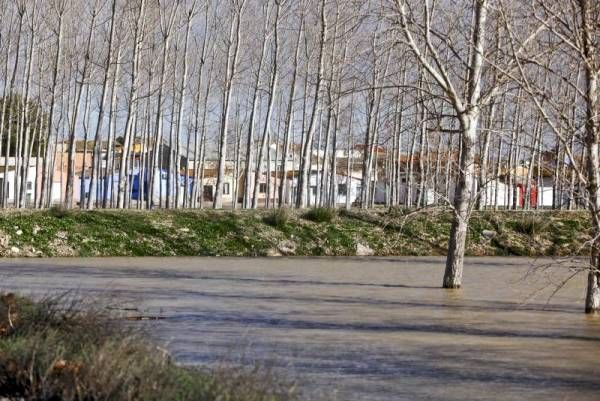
(469, 126)
(463, 197)
(592, 145)
(468, 109)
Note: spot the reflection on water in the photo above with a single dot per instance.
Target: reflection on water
(358, 329)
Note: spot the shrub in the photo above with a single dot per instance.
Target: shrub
(277, 218)
(63, 350)
(58, 211)
(529, 225)
(320, 214)
(397, 211)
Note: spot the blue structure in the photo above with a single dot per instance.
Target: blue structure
(109, 186)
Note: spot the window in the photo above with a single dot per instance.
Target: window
(314, 190)
(207, 192)
(225, 188)
(342, 189)
(262, 188)
(29, 185)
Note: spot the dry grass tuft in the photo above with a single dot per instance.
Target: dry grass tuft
(58, 349)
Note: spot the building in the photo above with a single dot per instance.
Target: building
(7, 180)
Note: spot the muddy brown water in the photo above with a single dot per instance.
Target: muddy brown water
(355, 329)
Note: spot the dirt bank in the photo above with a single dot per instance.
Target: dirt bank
(271, 233)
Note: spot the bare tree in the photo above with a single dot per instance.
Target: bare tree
(289, 116)
(132, 105)
(233, 47)
(573, 41)
(248, 199)
(272, 95)
(96, 158)
(466, 86)
(305, 158)
(77, 102)
(59, 7)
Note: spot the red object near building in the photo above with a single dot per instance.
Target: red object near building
(532, 197)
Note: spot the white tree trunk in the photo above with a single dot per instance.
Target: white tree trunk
(305, 160)
(232, 57)
(463, 198)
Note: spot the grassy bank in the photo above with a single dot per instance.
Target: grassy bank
(270, 233)
(59, 351)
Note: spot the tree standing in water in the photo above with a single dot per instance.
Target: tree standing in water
(573, 43)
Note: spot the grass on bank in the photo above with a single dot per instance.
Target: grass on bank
(313, 232)
(56, 351)
(320, 214)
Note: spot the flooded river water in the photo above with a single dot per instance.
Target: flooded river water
(356, 329)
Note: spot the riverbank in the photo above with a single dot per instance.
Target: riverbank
(315, 232)
(61, 349)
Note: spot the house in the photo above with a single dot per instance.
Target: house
(139, 187)
(82, 161)
(383, 191)
(83, 155)
(7, 180)
(511, 185)
(346, 186)
(206, 180)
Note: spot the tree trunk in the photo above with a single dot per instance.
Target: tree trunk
(469, 121)
(97, 146)
(108, 191)
(267, 130)
(232, 56)
(289, 119)
(132, 109)
(183, 91)
(592, 144)
(463, 197)
(73, 126)
(27, 126)
(305, 160)
(45, 194)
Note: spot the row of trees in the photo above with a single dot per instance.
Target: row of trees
(439, 95)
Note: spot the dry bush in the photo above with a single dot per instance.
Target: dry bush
(56, 349)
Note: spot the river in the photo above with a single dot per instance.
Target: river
(355, 328)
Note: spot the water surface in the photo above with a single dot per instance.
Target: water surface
(356, 329)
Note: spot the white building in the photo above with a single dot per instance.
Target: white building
(343, 190)
(9, 180)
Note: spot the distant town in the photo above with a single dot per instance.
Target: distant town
(415, 180)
